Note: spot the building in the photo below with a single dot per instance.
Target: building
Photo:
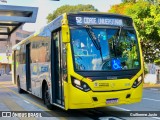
(6, 49)
(19, 35)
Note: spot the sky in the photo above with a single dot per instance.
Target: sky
(48, 6)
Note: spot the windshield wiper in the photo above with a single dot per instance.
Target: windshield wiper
(117, 40)
(94, 39)
(119, 35)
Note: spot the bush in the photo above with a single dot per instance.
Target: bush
(157, 62)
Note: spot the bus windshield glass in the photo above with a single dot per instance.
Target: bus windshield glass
(104, 49)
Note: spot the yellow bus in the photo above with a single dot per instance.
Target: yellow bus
(81, 60)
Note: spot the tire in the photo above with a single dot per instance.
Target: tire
(19, 87)
(47, 98)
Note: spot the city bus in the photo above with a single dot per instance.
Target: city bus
(81, 60)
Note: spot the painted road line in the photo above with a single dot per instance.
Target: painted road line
(109, 118)
(13, 106)
(48, 112)
(43, 108)
(151, 99)
(157, 118)
(153, 89)
(26, 101)
(120, 108)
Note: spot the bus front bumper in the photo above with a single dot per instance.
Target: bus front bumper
(79, 99)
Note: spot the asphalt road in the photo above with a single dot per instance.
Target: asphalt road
(11, 100)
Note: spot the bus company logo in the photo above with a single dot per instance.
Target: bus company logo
(96, 84)
(79, 20)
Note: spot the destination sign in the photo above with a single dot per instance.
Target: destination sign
(88, 20)
(98, 21)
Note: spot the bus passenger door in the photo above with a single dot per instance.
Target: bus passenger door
(56, 75)
(28, 71)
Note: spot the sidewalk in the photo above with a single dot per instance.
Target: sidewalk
(148, 85)
(150, 80)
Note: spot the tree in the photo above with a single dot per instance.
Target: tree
(146, 17)
(126, 1)
(153, 1)
(69, 8)
(134, 1)
(121, 8)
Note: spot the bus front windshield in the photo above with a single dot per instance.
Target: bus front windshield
(104, 49)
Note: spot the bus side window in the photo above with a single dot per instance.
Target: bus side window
(47, 52)
(22, 54)
(34, 52)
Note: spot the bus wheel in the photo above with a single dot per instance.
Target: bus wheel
(47, 98)
(19, 86)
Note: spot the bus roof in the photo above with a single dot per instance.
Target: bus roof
(97, 13)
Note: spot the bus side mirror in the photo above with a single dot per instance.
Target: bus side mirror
(65, 34)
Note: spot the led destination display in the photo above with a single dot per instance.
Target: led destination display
(87, 20)
(98, 21)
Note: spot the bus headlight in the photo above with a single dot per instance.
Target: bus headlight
(80, 85)
(137, 82)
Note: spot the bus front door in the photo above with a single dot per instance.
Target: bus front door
(28, 72)
(57, 83)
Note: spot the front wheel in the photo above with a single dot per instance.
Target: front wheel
(47, 98)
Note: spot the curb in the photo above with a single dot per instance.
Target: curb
(149, 85)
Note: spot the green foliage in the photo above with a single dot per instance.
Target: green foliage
(146, 17)
(157, 62)
(126, 1)
(69, 8)
(134, 1)
(153, 1)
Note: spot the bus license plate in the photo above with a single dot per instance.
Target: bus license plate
(112, 101)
